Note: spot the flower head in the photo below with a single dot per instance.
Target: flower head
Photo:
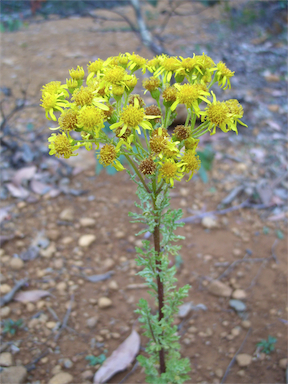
(147, 166)
(78, 73)
(52, 102)
(137, 62)
(191, 163)
(223, 75)
(190, 94)
(94, 68)
(151, 84)
(114, 75)
(61, 145)
(68, 120)
(83, 96)
(168, 67)
(181, 132)
(170, 171)
(191, 143)
(170, 94)
(91, 118)
(108, 156)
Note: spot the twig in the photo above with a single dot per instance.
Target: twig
(253, 282)
(9, 296)
(273, 253)
(31, 365)
(130, 373)
(65, 320)
(234, 357)
(53, 313)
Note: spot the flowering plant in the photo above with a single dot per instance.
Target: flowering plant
(157, 159)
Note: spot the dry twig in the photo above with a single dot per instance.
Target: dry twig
(65, 320)
(9, 296)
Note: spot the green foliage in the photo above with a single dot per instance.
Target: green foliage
(11, 25)
(206, 156)
(178, 261)
(266, 230)
(154, 3)
(11, 326)
(94, 360)
(279, 234)
(267, 346)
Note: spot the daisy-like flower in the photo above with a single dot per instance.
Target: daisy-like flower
(108, 156)
(218, 115)
(236, 111)
(71, 85)
(130, 82)
(86, 96)
(170, 171)
(191, 143)
(168, 67)
(61, 145)
(94, 68)
(136, 62)
(181, 132)
(77, 74)
(114, 76)
(153, 64)
(223, 75)
(191, 163)
(52, 102)
(91, 118)
(190, 95)
(68, 120)
(147, 166)
(55, 87)
(133, 117)
(151, 84)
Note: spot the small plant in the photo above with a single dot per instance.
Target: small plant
(267, 346)
(158, 158)
(94, 360)
(11, 326)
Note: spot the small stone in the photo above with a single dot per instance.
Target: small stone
(104, 302)
(237, 252)
(238, 305)
(283, 363)
(67, 363)
(61, 286)
(53, 234)
(67, 240)
(108, 264)
(91, 322)
(48, 252)
(246, 324)
(4, 312)
(13, 375)
(209, 222)
(86, 240)
(93, 301)
(5, 288)
(184, 309)
(6, 359)
(87, 222)
(113, 285)
(44, 360)
(239, 294)
(87, 375)
(241, 373)
(192, 330)
(58, 264)
(119, 234)
(271, 78)
(243, 360)
(67, 214)
(56, 369)
(219, 372)
(16, 263)
(61, 378)
(236, 331)
(51, 324)
(273, 311)
(30, 307)
(217, 288)
(115, 335)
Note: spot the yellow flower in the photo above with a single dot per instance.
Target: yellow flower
(130, 82)
(168, 67)
(236, 111)
(190, 95)
(91, 118)
(170, 171)
(191, 163)
(151, 84)
(191, 143)
(71, 85)
(181, 132)
(153, 65)
(86, 96)
(114, 76)
(108, 156)
(78, 73)
(61, 145)
(136, 62)
(134, 117)
(223, 75)
(55, 87)
(169, 95)
(147, 166)
(68, 120)
(94, 68)
(52, 102)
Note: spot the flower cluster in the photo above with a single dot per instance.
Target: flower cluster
(101, 110)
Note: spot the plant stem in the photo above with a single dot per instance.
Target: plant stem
(137, 173)
(160, 287)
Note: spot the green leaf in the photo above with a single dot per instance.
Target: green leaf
(279, 234)
(203, 175)
(154, 3)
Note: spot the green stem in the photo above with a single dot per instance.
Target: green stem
(201, 133)
(188, 117)
(138, 173)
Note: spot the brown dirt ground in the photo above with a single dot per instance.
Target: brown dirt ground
(43, 52)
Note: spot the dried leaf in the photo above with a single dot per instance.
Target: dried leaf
(120, 359)
(24, 174)
(4, 213)
(96, 278)
(280, 216)
(29, 296)
(19, 192)
(39, 187)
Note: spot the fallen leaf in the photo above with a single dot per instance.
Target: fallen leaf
(96, 278)
(120, 359)
(272, 124)
(24, 174)
(4, 213)
(280, 216)
(39, 187)
(18, 191)
(29, 296)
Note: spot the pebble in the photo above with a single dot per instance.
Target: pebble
(283, 363)
(237, 252)
(67, 240)
(51, 324)
(6, 359)
(238, 305)
(67, 214)
(13, 375)
(61, 378)
(87, 375)
(87, 222)
(86, 240)
(120, 234)
(241, 373)
(217, 288)
(115, 335)
(5, 288)
(56, 369)
(30, 307)
(58, 264)
(239, 294)
(219, 372)
(53, 234)
(104, 302)
(16, 263)
(67, 363)
(184, 309)
(108, 264)
(113, 285)
(48, 252)
(91, 322)
(236, 331)
(246, 324)
(209, 222)
(192, 329)
(61, 286)
(243, 360)
(4, 312)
